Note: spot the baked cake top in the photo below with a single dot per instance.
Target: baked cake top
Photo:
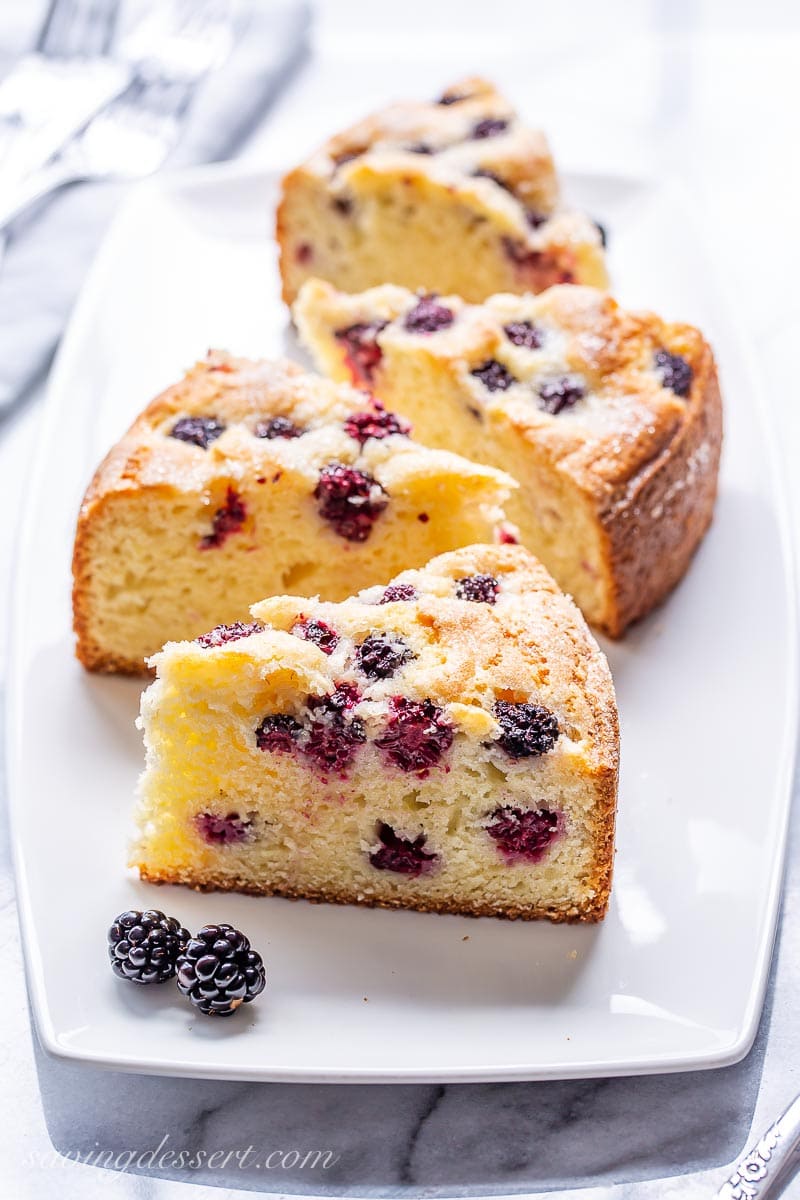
(471, 140)
(240, 418)
(478, 636)
(603, 390)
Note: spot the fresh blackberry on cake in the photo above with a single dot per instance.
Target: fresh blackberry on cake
(610, 420)
(219, 972)
(526, 729)
(456, 198)
(481, 589)
(451, 752)
(251, 478)
(382, 655)
(143, 947)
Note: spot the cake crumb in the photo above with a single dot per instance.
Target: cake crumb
(465, 938)
(573, 954)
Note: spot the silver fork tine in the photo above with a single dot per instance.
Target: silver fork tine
(77, 27)
(168, 42)
(54, 90)
(101, 28)
(135, 133)
(54, 31)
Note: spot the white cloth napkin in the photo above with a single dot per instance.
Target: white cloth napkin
(48, 253)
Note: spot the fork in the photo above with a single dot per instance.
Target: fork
(75, 27)
(768, 1167)
(53, 91)
(133, 136)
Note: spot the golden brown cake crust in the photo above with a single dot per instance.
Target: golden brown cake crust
(645, 459)
(655, 522)
(593, 911)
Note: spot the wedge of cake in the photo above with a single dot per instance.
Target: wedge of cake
(610, 420)
(252, 478)
(453, 195)
(448, 742)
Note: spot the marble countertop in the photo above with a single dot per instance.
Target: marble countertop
(710, 93)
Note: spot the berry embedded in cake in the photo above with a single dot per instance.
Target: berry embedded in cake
(252, 478)
(447, 743)
(610, 420)
(351, 500)
(456, 198)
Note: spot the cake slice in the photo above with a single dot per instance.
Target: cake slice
(453, 195)
(445, 743)
(252, 478)
(610, 420)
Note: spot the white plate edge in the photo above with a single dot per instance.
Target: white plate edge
(726, 1056)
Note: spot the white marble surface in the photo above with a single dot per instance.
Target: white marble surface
(709, 92)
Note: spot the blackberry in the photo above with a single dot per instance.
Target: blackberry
(227, 520)
(381, 655)
(523, 833)
(417, 735)
(558, 394)
(376, 424)
(278, 733)
(318, 633)
(218, 972)
(334, 735)
(350, 500)
(396, 592)
(343, 700)
(362, 352)
(402, 855)
(197, 431)
(144, 946)
(489, 127)
(427, 316)
(220, 635)
(519, 253)
(223, 831)
(494, 376)
(453, 98)
(538, 262)
(480, 589)
(523, 333)
(527, 729)
(277, 427)
(675, 372)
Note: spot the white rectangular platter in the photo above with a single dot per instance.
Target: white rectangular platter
(673, 980)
